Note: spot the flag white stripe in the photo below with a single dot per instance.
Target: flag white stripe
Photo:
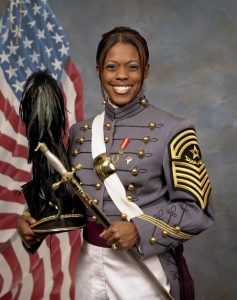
(6, 234)
(44, 252)
(7, 92)
(64, 240)
(10, 183)
(27, 288)
(24, 261)
(70, 94)
(22, 255)
(7, 274)
(7, 129)
(11, 207)
(15, 161)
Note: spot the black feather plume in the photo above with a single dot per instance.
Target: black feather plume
(43, 112)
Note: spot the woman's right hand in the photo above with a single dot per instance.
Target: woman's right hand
(27, 234)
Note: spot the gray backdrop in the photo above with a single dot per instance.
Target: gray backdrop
(193, 74)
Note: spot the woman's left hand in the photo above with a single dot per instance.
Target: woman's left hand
(122, 234)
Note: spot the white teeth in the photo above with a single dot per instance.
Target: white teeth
(121, 89)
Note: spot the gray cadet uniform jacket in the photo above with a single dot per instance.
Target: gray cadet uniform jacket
(162, 171)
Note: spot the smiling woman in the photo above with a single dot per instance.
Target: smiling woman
(144, 170)
(122, 75)
(122, 63)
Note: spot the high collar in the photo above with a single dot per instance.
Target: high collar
(127, 110)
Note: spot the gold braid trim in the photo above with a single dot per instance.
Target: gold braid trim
(52, 218)
(166, 227)
(26, 213)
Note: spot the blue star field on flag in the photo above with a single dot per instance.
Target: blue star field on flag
(30, 39)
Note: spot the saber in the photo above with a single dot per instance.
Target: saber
(68, 178)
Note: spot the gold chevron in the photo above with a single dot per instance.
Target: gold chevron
(189, 174)
(181, 142)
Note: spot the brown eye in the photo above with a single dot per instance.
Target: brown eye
(133, 67)
(110, 67)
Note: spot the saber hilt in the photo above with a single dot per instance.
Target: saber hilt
(68, 178)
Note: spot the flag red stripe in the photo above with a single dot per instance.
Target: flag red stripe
(14, 265)
(56, 265)
(6, 220)
(11, 196)
(11, 115)
(74, 75)
(13, 172)
(75, 244)
(10, 144)
(65, 137)
(10, 295)
(38, 275)
(16, 297)
(7, 296)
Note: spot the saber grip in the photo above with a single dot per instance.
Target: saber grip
(53, 160)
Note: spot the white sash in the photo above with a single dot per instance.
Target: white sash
(117, 193)
(112, 183)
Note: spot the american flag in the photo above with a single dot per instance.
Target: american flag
(31, 39)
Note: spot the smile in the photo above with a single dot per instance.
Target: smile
(121, 89)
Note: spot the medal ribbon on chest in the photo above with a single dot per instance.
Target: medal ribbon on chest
(123, 145)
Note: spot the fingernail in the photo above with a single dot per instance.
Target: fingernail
(102, 233)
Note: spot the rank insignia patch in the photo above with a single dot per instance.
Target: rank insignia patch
(188, 169)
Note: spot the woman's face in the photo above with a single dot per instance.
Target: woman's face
(121, 75)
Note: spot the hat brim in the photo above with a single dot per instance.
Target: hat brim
(55, 224)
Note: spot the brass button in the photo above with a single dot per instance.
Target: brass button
(131, 187)
(81, 140)
(177, 229)
(76, 152)
(108, 126)
(123, 216)
(96, 201)
(98, 186)
(129, 197)
(144, 102)
(78, 167)
(146, 139)
(107, 139)
(152, 125)
(141, 153)
(165, 233)
(94, 218)
(85, 127)
(135, 171)
(152, 240)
